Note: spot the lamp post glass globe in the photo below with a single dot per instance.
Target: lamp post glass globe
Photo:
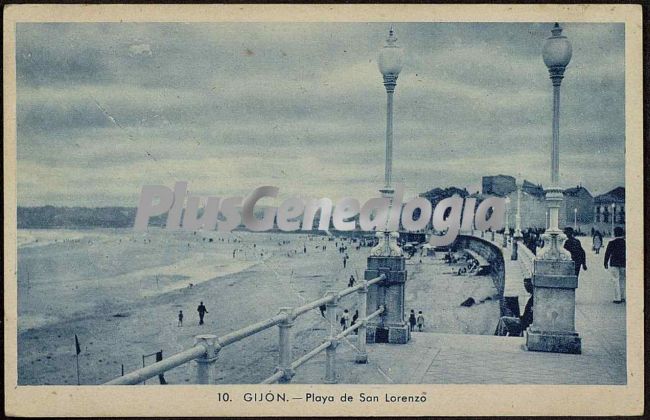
(390, 56)
(557, 49)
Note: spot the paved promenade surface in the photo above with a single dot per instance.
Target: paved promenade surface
(480, 359)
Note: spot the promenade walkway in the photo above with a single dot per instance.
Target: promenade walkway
(483, 359)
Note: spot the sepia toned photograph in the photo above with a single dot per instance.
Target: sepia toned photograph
(349, 206)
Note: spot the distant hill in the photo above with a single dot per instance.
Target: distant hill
(50, 217)
(80, 217)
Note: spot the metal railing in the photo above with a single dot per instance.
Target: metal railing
(204, 352)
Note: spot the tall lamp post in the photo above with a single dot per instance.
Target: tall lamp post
(613, 216)
(517, 237)
(575, 219)
(556, 54)
(506, 225)
(390, 65)
(387, 258)
(554, 277)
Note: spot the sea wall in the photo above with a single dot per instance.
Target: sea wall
(491, 253)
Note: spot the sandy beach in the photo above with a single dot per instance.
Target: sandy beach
(121, 291)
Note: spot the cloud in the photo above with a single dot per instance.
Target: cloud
(242, 105)
(140, 50)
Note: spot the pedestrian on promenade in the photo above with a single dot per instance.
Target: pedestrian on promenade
(420, 321)
(531, 241)
(304, 249)
(322, 309)
(351, 281)
(180, 318)
(575, 249)
(412, 320)
(355, 317)
(202, 311)
(597, 242)
(344, 319)
(615, 262)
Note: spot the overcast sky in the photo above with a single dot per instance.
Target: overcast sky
(104, 109)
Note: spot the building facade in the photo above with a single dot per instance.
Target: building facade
(500, 185)
(608, 206)
(578, 207)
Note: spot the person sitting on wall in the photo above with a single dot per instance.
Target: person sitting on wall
(515, 326)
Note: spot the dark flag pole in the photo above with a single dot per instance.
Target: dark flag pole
(78, 350)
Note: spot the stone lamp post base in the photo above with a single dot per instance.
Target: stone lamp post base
(395, 334)
(390, 327)
(553, 328)
(553, 341)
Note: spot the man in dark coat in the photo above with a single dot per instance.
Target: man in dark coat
(202, 311)
(574, 247)
(615, 262)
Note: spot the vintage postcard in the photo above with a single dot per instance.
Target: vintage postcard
(323, 210)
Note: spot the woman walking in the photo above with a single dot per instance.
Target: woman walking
(597, 242)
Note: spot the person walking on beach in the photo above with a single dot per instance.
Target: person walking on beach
(615, 263)
(202, 311)
(344, 262)
(180, 318)
(420, 321)
(355, 317)
(344, 319)
(412, 320)
(597, 242)
(351, 281)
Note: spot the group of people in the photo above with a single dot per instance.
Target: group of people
(532, 238)
(613, 261)
(413, 320)
(201, 309)
(345, 319)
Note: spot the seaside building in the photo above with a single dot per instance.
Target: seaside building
(578, 206)
(608, 206)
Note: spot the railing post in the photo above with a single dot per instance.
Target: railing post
(205, 367)
(362, 355)
(284, 344)
(330, 352)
